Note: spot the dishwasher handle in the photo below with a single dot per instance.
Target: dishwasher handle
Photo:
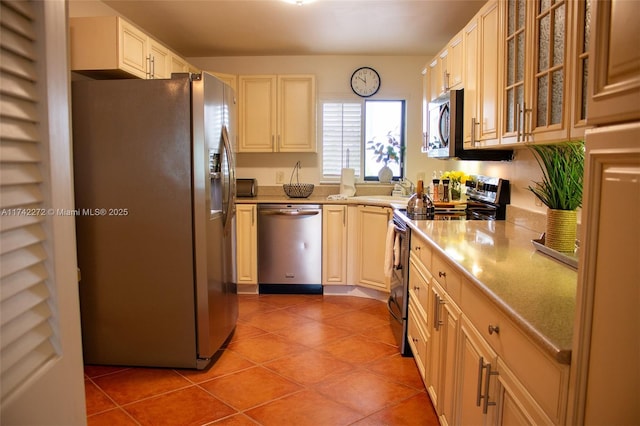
(290, 212)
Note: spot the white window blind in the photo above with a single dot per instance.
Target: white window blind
(341, 134)
(28, 338)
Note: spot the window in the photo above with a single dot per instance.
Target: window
(360, 135)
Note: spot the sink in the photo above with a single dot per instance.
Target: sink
(397, 199)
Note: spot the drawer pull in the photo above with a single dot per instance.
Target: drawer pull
(442, 274)
(417, 248)
(416, 288)
(494, 329)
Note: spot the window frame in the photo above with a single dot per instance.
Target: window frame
(361, 177)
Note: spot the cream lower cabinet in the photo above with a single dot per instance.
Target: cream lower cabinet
(247, 243)
(371, 235)
(437, 314)
(477, 365)
(475, 400)
(277, 113)
(334, 244)
(444, 342)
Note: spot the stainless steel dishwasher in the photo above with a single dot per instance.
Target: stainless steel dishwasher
(290, 248)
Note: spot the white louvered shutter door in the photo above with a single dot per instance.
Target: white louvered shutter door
(27, 331)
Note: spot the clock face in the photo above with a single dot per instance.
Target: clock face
(365, 82)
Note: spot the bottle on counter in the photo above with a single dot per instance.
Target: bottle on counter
(445, 190)
(434, 188)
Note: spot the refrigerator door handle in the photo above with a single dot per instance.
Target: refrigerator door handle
(228, 195)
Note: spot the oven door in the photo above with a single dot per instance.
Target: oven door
(399, 292)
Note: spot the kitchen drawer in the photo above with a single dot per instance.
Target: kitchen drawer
(417, 337)
(544, 377)
(447, 276)
(419, 280)
(421, 249)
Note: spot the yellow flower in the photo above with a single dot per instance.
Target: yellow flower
(455, 176)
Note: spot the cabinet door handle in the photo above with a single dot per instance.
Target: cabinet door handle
(442, 274)
(479, 389)
(485, 396)
(517, 122)
(439, 301)
(473, 131)
(494, 329)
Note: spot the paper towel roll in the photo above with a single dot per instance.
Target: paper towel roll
(347, 182)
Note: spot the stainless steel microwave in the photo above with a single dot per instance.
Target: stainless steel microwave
(445, 124)
(445, 137)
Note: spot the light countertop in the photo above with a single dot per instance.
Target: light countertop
(537, 292)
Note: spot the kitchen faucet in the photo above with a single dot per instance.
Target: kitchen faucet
(412, 187)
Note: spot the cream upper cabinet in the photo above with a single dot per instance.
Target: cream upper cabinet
(277, 113)
(110, 46)
(538, 44)
(436, 75)
(177, 64)
(579, 71)
(455, 62)
(132, 48)
(372, 223)
(425, 109)
(471, 109)
(334, 244)
(446, 68)
(159, 62)
(246, 244)
(614, 63)
(487, 76)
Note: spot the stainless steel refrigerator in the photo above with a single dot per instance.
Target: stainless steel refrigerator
(154, 188)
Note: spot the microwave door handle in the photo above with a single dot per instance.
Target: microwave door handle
(440, 118)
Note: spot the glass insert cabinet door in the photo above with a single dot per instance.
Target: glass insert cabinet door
(535, 81)
(550, 67)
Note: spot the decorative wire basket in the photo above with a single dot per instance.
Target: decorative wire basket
(297, 190)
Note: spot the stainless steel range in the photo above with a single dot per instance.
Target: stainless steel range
(487, 199)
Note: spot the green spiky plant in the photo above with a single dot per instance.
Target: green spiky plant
(562, 175)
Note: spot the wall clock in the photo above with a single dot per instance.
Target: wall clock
(365, 82)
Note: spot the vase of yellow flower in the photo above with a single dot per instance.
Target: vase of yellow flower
(456, 179)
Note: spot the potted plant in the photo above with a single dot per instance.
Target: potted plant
(386, 151)
(560, 190)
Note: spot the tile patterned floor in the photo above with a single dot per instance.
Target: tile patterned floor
(293, 360)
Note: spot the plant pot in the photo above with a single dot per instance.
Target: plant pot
(456, 191)
(561, 230)
(385, 174)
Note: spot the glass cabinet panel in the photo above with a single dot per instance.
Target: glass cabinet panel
(583, 56)
(515, 66)
(549, 79)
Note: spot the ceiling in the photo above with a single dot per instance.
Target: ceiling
(200, 28)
